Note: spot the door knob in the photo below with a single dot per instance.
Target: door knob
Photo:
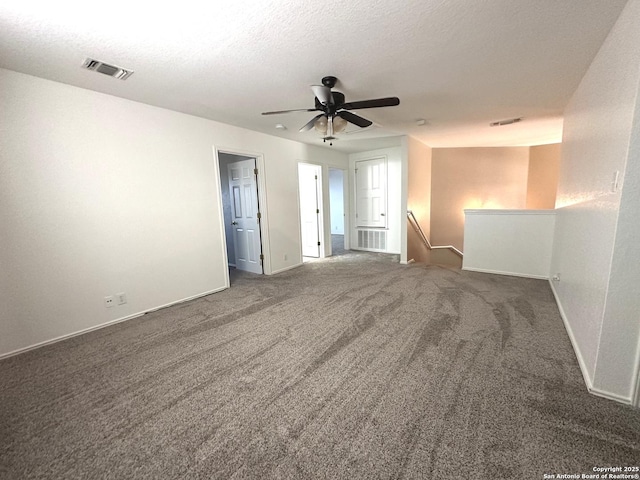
(234, 223)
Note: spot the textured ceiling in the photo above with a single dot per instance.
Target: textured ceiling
(457, 64)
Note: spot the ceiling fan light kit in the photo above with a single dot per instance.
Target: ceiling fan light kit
(335, 114)
(322, 124)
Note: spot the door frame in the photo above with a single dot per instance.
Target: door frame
(262, 202)
(345, 206)
(247, 218)
(385, 207)
(320, 198)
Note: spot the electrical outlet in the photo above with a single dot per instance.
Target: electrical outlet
(121, 298)
(109, 301)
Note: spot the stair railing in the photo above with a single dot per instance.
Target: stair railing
(425, 240)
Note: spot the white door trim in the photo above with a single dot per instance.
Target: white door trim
(384, 175)
(345, 207)
(319, 197)
(243, 190)
(262, 199)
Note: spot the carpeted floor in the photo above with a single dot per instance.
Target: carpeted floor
(351, 368)
(337, 245)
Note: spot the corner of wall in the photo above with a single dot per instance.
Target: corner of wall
(404, 186)
(419, 161)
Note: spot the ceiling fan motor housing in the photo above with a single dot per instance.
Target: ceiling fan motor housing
(329, 81)
(338, 101)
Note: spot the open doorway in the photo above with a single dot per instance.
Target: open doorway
(311, 225)
(337, 211)
(241, 210)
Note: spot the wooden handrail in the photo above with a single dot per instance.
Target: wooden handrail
(418, 229)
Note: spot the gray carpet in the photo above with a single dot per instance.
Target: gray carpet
(351, 368)
(337, 245)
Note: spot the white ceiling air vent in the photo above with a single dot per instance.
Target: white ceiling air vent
(500, 123)
(111, 70)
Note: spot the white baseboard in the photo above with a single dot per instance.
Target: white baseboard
(636, 395)
(290, 267)
(581, 362)
(103, 325)
(583, 366)
(610, 396)
(510, 274)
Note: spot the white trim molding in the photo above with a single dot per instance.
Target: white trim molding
(475, 211)
(262, 200)
(583, 366)
(290, 267)
(511, 274)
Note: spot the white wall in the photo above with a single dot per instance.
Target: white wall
(509, 242)
(100, 195)
(336, 198)
(396, 218)
(596, 139)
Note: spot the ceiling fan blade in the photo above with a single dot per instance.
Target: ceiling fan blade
(355, 119)
(288, 111)
(375, 103)
(323, 94)
(309, 125)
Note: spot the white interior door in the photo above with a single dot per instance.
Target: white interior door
(309, 189)
(243, 191)
(371, 196)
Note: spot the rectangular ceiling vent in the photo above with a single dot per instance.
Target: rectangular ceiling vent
(509, 121)
(111, 70)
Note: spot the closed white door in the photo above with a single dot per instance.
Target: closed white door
(309, 189)
(371, 196)
(245, 216)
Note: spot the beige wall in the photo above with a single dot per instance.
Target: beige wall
(480, 177)
(445, 181)
(542, 182)
(419, 198)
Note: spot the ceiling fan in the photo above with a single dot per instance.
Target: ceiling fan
(335, 111)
